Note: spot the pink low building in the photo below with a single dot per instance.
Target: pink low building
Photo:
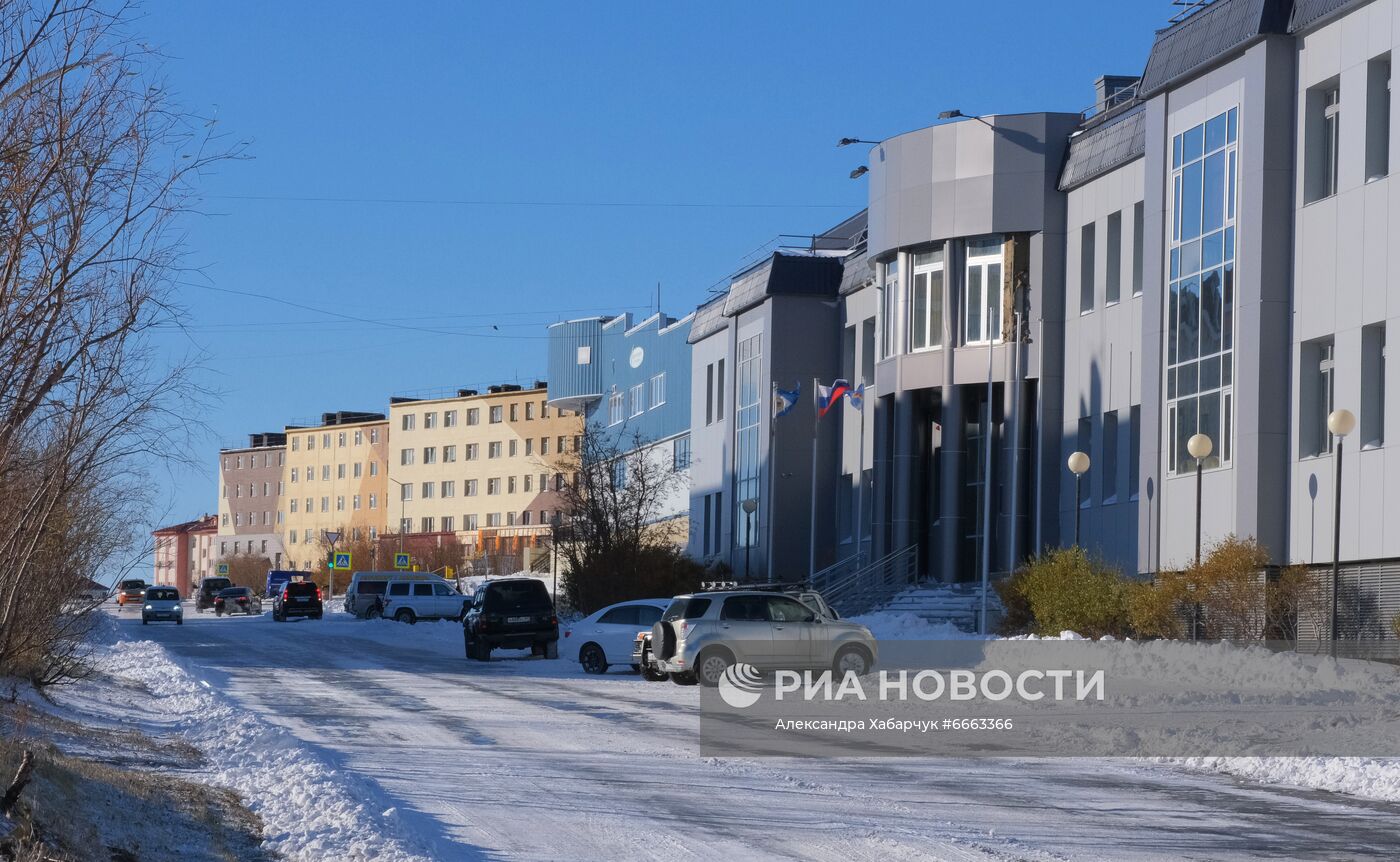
(184, 553)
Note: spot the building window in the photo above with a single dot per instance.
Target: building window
(469, 522)
(658, 390)
(1137, 248)
(1086, 267)
(325, 472)
(529, 446)
(405, 457)
(310, 442)
(1322, 130)
(1134, 450)
(514, 412)
(493, 449)
(867, 347)
(1373, 386)
(359, 437)
(429, 454)
(544, 446)
(374, 435)
(340, 504)
(1113, 268)
(982, 291)
(473, 451)
(340, 471)
(1378, 118)
(449, 524)
(449, 488)
(405, 525)
(325, 504)
(340, 440)
(636, 397)
(295, 471)
(709, 394)
(355, 502)
(408, 421)
(374, 468)
(1316, 395)
(374, 501)
(618, 473)
(470, 487)
(296, 444)
(511, 450)
(748, 416)
(1201, 295)
(449, 454)
(429, 420)
(493, 487)
(493, 519)
(1110, 457)
(428, 488)
(449, 418)
(358, 469)
(1085, 441)
(510, 484)
(496, 415)
(583, 355)
(326, 440)
(680, 455)
(889, 306)
(925, 303)
(614, 408)
(406, 491)
(529, 410)
(474, 416)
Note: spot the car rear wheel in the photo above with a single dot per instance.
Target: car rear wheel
(374, 613)
(551, 649)
(683, 678)
(592, 659)
(850, 659)
(712, 664)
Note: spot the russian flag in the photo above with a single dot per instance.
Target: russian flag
(828, 396)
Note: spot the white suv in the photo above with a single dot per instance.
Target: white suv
(701, 635)
(409, 600)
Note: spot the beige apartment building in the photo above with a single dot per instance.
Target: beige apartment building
(335, 478)
(482, 466)
(251, 507)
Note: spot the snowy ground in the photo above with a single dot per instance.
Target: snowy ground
(522, 758)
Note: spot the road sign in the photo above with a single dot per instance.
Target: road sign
(341, 561)
(223, 569)
(402, 561)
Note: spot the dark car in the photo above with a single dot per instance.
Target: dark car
(208, 589)
(511, 613)
(297, 599)
(237, 600)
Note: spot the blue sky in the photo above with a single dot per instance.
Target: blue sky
(525, 133)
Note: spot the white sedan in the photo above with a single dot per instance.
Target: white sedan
(605, 637)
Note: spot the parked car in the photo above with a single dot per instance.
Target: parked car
(237, 600)
(366, 590)
(131, 592)
(409, 601)
(605, 637)
(700, 635)
(297, 599)
(208, 589)
(162, 603)
(511, 613)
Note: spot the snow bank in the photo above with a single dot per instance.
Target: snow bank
(906, 626)
(1372, 778)
(310, 810)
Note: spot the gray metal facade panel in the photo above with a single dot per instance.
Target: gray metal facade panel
(1209, 35)
(1101, 149)
(1309, 12)
(856, 273)
(749, 288)
(569, 379)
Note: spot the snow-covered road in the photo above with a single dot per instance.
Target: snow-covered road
(530, 759)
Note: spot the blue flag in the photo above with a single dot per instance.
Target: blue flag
(857, 397)
(784, 400)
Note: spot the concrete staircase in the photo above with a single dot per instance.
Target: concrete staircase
(958, 604)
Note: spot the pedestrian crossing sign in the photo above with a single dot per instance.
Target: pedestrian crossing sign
(342, 561)
(401, 561)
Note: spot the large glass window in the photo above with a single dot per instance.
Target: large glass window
(889, 301)
(748, 414)
(1201, 295)
(982, 291)
(926, 302)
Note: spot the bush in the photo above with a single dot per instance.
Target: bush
(1229, 586)
(1395, 625)
(1153, 607)
(1065, 589)
(656, 572)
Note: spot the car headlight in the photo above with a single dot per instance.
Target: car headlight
(146, 608)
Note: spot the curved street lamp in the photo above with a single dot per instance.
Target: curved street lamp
(1340, 423)
(1199, 447)
(1078, 464)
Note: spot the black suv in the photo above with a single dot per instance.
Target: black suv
(512, 613)
(208, 589)
(297, 599)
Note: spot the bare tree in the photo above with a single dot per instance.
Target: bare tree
(616, 540)
(95, 166)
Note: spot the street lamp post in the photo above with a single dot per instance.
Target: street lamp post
(331, 537)
(1078, 465)
(1199, 446)
(1340, 423)
(750, 506)
(403, 512)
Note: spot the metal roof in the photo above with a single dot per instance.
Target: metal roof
(1309, 12)
(856, 273)
(1209, 35)
(709, 319)
(1104, 147)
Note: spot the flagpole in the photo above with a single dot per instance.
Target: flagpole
(987, 495)
(772, 468)
(812, 526)
(860, 487)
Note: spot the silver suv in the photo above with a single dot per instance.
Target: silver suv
(702, 634)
